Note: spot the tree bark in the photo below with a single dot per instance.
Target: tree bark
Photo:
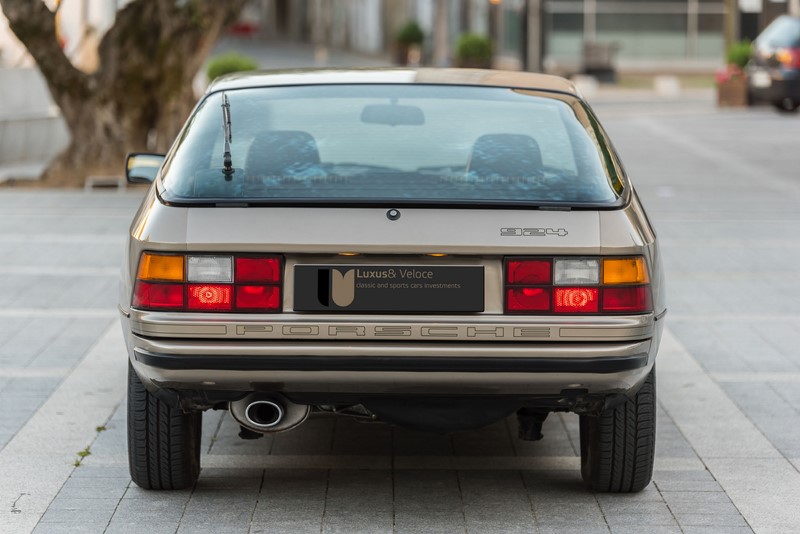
(142, 88)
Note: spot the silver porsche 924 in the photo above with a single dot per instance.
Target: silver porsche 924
(432, 248)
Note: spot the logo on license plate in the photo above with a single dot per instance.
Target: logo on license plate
(388, 288)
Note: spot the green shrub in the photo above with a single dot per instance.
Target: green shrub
(474, 50)
(229, 62)
(410, 34)
(739, 54)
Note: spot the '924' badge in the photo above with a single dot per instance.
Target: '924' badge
(533, 232)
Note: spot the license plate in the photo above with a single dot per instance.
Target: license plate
(761, 79)
(388, 288)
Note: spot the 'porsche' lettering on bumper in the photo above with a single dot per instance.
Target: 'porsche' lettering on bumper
(389, 332)
(262, 331)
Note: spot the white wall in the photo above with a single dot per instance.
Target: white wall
(32, 131)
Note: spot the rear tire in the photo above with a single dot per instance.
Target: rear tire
(618, 447)
(787, 105)
(163, 442)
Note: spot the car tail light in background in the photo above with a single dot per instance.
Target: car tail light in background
(788, 57)
(535, 286)
(208, 283)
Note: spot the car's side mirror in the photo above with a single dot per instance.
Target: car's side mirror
(141, 168)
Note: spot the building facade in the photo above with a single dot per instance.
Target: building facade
(550, 35)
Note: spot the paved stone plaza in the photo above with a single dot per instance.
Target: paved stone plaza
(723, 190)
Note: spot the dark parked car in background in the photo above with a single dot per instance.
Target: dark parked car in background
(774, 68)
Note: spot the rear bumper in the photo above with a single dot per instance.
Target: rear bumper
(428, 355)
(397, 369)
(784, 84)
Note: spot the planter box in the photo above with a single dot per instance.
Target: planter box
(732, 92)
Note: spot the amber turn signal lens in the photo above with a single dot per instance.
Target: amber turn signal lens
(161, 267)
(625, 271)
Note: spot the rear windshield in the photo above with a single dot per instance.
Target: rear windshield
(784, 32)
(393, 143)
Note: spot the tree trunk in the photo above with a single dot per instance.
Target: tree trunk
(143, 87)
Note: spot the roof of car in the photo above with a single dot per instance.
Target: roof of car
(443, 76)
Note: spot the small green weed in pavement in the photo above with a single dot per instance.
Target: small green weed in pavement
(81, 455)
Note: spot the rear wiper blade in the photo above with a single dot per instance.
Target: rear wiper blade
(227, 161)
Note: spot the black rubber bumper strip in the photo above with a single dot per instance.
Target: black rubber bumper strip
(418, 364)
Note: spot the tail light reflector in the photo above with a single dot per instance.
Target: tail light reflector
(208, 283)
(576, 300)
(209, 297)
(577, 285)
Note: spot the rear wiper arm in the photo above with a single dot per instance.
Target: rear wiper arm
(227, 162)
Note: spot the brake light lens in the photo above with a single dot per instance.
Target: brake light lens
(626, 299)
(533, 272)
(521, 299)
(537, 286)
(208, 283)
(158, 296)
(257, 298)
(260, 270)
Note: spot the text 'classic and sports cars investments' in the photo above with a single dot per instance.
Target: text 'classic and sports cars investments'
(432, 248)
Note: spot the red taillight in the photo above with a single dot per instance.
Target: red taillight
(528, 299)
(529, 272)
(789, 57)
(258, 298)
(209, 297)
(576, 300)
(626, 299)
(259, 270)
(150, 295)
(209, 283)
(577, 285)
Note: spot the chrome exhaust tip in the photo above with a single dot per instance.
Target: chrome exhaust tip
(264, 414)
(268, 412)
